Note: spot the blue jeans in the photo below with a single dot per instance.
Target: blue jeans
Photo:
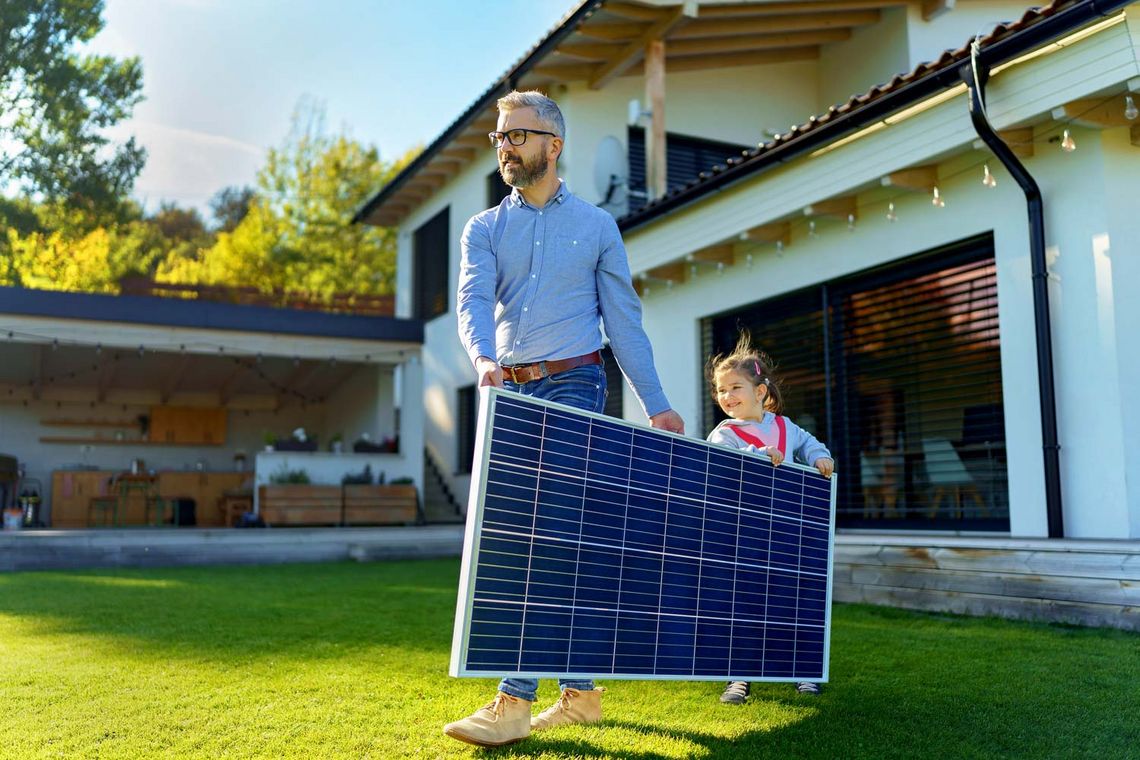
(585, 388)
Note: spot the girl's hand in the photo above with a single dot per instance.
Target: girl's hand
(774, 454)
(825, 466)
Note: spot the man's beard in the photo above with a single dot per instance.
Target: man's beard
(523, 173)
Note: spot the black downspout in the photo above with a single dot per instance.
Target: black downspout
(976, 75)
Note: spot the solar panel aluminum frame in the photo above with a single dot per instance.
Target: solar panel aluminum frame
(474, 536)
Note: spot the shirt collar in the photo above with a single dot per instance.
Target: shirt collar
(560, 196)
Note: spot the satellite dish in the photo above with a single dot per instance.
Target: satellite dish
(611, 174)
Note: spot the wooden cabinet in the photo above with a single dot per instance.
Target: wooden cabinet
(188, 425)
(71, 494)
(72, 491)
(297, 504)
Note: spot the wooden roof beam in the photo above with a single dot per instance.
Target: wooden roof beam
(775, 24)
(590, 51)
(777, 9)
(1020, 141)
(1094, 113)
(773, 232)
(728, 60)
(635, 49)
(842, 208)
(459, 153)
(745, 43)
(916, 178)
(612, 32)
(632, 12)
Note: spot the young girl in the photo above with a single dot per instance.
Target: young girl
(749, 393)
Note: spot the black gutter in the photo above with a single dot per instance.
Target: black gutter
(976, 76)
(502, 86)
(1039, 33)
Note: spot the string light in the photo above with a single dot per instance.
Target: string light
(850, 222)
(811, 229)
(1130, 110)
(1068, 144)
(937, 201)
(892, 217)
(988, 178)
(779, 247)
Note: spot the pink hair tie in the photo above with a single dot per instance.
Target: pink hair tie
(756, 366)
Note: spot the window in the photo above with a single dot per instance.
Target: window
(496, 189)
(431, 252)
(898, 371)
(467, 414)
(685, 158)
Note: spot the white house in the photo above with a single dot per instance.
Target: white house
(971, 376)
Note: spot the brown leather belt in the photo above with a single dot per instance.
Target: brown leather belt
(524, 373)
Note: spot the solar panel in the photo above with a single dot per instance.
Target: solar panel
(596, 548)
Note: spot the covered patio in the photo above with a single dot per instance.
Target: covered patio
(125, 411)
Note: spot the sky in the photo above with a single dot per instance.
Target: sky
(222, 78)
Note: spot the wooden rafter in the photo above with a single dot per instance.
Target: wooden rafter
(590, 51)
(842, 208)
(1095, 113)
(773, 232)
(722, 253)
(775, 24)
(174, 377)
(459, 153)
(612, 32)
(776, 9)
(750, 42)
(757, 58)
(635, 48)
(917, 178)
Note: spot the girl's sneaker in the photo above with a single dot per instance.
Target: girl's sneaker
(807, 687)
(735, 693)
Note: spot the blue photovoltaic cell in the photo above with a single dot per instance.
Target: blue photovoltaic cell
(597, 548)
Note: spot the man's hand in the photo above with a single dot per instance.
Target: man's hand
(668, 420)
(489, 371)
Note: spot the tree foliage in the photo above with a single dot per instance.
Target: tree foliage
(298, 235)
(55, 102)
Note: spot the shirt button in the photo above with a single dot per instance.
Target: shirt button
(533, 276)
(540, 213)
(525, 309)
(538, 242)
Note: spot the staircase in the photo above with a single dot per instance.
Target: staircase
(440, 505)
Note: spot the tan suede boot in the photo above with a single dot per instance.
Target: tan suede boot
(503, 720)
(573, 706)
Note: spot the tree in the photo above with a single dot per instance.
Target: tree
(298, 234)
(229, 206)
(55, 102)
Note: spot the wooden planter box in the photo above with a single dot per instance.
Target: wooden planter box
(297, 504)
(379, 505)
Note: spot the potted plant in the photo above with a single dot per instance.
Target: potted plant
(336, 444)
(299, 441)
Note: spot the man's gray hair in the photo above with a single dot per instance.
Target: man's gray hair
(545, 109)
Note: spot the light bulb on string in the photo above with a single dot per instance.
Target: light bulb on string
(892, 217)
(988, 178)
(850, 222)
(1130, 109)
(779, 247)
(937, 200)
(748, 260)
(720, 267)
(811, 229)
(1068, 144)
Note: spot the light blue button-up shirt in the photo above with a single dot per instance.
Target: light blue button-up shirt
(537, 285)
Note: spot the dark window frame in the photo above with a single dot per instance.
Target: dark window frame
(431, 257)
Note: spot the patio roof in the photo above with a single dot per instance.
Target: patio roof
(100, 348)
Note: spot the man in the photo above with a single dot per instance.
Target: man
(539, 275)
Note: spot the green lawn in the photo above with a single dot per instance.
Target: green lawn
(350, 660)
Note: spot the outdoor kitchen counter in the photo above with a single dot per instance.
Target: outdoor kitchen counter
(73, 490)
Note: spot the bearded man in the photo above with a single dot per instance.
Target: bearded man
(539, 276)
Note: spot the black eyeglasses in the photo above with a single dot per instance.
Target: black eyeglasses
(514, 136)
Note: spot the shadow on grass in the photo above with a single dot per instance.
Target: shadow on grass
(227, 612)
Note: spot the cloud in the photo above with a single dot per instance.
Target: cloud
(188, 166)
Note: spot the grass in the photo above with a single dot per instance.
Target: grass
(350, 660)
